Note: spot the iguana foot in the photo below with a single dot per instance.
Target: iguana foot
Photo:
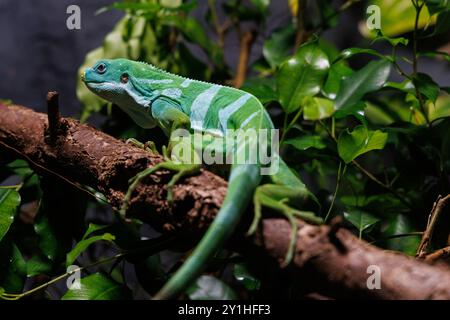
(148, 146)
(277, 197)
(181, 170)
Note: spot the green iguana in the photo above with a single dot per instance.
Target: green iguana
(153, 97)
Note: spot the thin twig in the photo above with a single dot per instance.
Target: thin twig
(438, 205)
(340, 174)
(246, 41)
(220, 29)
(438, 254)
(301, 34)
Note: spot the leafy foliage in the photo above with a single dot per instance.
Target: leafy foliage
(366, 127)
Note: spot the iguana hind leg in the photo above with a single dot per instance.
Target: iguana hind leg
(285, 194)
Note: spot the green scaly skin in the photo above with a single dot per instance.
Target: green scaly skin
(153, 97)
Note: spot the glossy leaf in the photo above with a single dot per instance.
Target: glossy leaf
(400, 224)
(436, 54)
(48, 241)
(276, 48)
(427, 86)
(442, 23)
(210, 288)
(9, 202)
(354, 87)
(84, 244)
(261, 88)
(97, 287)
(304, 142)
(301, 76)
(350, 52)
(360, 219)
(317, 108)
(38, 265)
(243, 275)
(397, 17)
(441, 109)
(436, 6)
(338, 72)
(393, 41)
(261, 5)
(359, 141)
(93, 228)
(14, 271)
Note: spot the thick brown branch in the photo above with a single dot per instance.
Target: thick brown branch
(331, 262)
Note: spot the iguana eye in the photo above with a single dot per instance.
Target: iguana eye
(101, 68)
(124, 78)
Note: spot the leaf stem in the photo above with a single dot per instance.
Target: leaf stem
(340, 174)
(288, 127)
(418, 8)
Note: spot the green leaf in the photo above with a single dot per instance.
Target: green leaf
(20, 167)
(305, 142)
(317, 108)
(338, 72)
(194, 31)
(359, 141)
(397, 17)
(38, 265)
(400, 224)
(301, 76)
(9, 202)
(261, 5)
(14, 277)
(350, 52)
(442, 23)
(377, 115)
(261, 88)
(276, 48)
(210, 288)
(427, 86)
(171, 3)
(436, 54)
(436, 6)
(93, 228)
(370, 78)
(84, 244)
(441, 109)
(97, 287)
(393, 41)
(361, 220)
(48, 241)
(243, 275)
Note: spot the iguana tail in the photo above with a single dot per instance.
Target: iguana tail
(244, 178)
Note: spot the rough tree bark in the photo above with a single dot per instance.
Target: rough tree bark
(330, 260)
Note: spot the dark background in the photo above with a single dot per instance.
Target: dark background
(38, 53)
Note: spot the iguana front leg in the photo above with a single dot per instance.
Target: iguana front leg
(148, 146)
(171, 119)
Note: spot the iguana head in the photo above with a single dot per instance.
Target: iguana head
(120, 82)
